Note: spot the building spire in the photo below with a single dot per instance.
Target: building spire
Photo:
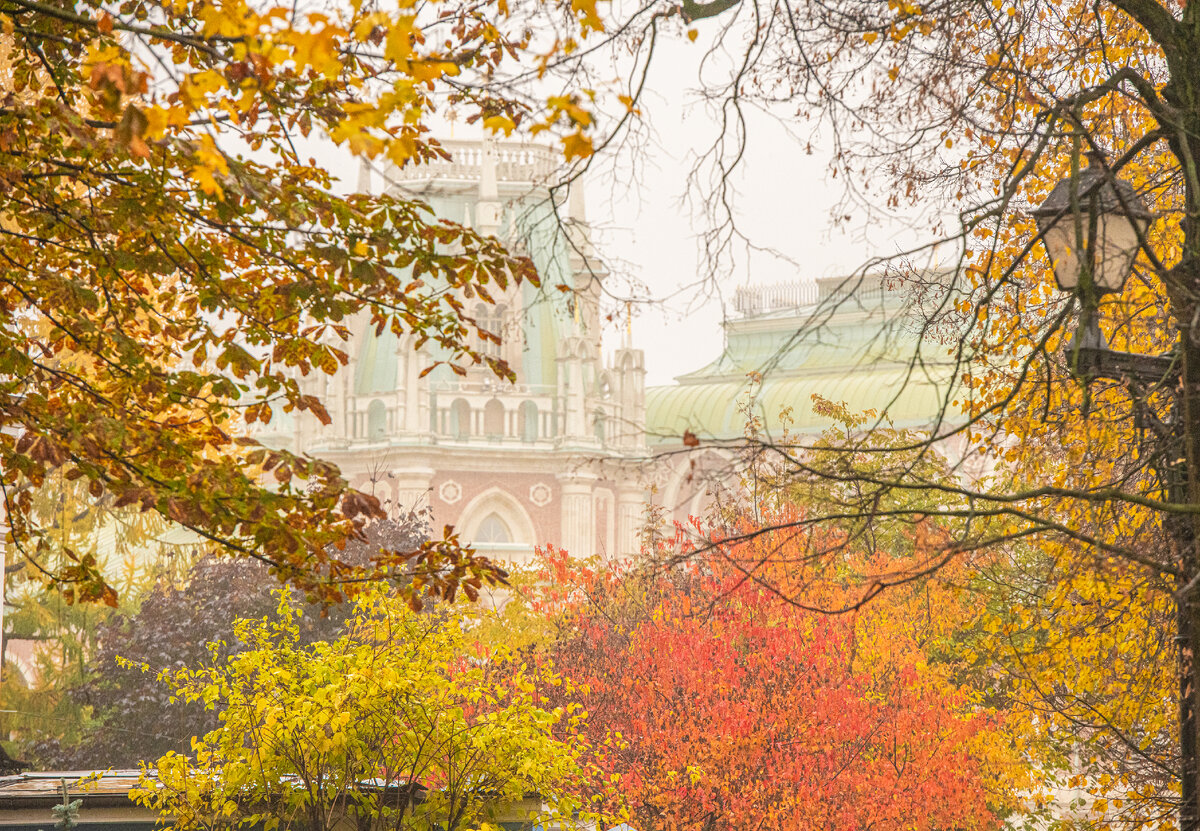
(576, 206)
(364, 176)
(487, 210)
(488, 188)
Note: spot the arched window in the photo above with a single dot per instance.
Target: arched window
(460, 418)
(528, 417)
(376, 420)
(491, 319)
(493, 419)
(493, 530)
(606, 388)
(598, 425)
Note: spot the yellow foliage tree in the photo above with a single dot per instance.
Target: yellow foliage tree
(170, 263)
(402, 723)
(1082, 408)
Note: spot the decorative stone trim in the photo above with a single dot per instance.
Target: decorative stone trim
(540, 494)
(450, 491)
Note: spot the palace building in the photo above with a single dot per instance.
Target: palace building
(553, 457)
(572, 452)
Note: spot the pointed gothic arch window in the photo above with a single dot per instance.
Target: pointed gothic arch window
(493, 529)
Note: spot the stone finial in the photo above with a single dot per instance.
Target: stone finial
(576, 204)
(364, 176)
(487, 209)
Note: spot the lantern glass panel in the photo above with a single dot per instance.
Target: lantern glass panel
(1059, 239)
(1115, 253)
(1116, 248)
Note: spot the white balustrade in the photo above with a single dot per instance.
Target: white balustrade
(515, 162)
(752, 300)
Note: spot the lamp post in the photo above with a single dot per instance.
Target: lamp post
(1092, 225)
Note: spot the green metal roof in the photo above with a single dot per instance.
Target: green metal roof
(720, 409)
(862, 350)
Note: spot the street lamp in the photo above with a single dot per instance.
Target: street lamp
(1092, 225)
(1102, 217)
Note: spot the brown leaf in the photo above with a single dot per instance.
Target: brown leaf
(130, 130)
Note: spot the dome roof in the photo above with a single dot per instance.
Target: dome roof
(860, 348)
(720, 409)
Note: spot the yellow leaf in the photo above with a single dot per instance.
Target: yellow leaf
(157, 120)
(496, 123)
(210, 161)
(208, 184)
(401, 150)
(577, 145)
(586, 9)
(693, 34)
(431, 70)
(400, 34)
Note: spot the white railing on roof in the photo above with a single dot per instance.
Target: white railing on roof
(515, 162)
(755, 300)
(867, 288)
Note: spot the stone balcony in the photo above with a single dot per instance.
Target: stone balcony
(517, 162)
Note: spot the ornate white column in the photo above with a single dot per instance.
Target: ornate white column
(488, 208)
(631, 502)
(412, 488)
(577, 533)
(631, 382)
(415, 421)
(337, 400)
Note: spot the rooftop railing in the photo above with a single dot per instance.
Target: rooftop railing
(756, 300)
(515, 162)
(868, 290)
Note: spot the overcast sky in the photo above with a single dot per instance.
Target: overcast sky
(786, 201)
(644, 229)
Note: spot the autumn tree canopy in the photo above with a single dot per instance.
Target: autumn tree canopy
(1085, 476)
(726, 706)
(400, 723)
(171, 262)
